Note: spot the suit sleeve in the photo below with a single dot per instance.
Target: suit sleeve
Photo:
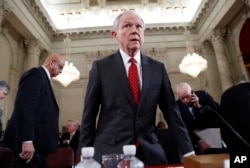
(168, 106)
(91, 108)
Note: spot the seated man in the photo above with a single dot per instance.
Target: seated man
(190, 104)
(71, 137)
(4, 91)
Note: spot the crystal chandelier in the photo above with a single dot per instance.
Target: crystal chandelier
(69, 72)
(192, 64)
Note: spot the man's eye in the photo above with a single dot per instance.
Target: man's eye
(139, 26)
(126, 26)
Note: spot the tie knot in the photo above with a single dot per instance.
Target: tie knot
(132, 60)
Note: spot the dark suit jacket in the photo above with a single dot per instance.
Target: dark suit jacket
(35, 115)
(120, 122)
(74, 143)
(202, 120)
(235, 108)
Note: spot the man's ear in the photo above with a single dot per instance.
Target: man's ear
(114, 34)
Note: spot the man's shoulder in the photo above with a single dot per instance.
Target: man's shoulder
(201, 93)
(108, 57)
(33, 70)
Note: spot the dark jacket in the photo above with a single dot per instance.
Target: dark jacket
(73, 143)
(35, 115)
(120, 122)
(203, 119)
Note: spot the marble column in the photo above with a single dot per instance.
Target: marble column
(247, 2)
(221, 58)
(212, 76)
(237, 62)
(34, 49)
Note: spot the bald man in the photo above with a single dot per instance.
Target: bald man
(32, 131)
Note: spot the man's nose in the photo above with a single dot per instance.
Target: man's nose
(134, 29)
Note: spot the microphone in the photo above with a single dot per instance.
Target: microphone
(208, 108)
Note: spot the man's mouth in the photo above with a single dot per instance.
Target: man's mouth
(134, 40)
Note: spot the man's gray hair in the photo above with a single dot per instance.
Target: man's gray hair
(117, 19)
(4, 85)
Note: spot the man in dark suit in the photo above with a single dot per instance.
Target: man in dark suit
(4, 91)
(71, 137)
(122, 118)
(32, 131)
(235, 109)
(190, 104)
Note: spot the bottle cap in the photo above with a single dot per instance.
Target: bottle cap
(88, 151)
(129, 149)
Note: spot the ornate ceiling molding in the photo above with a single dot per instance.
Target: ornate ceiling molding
(205, 11)
(55, 35)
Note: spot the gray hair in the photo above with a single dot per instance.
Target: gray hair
(74, 122)
(4, 85)
(117, 19)
(183, 85)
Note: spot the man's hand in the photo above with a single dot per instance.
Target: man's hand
(28, 151)
(203, 145)
(195, 100)
(66, 141)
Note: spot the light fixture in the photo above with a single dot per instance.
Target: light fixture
(192, 64)
(69, 72)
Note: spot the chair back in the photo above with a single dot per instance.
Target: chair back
(63, 158)
(6, 157)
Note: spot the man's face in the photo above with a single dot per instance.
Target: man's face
(71, 127)
(130, 32)
(3, 93)
(185, 97)
(56, 67)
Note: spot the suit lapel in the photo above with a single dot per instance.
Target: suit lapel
(146, 76)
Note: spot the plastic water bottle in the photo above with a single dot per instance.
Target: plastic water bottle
(130, 160)
(87, 160)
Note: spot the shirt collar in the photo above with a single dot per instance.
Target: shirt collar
(126, 57)
(47, 71)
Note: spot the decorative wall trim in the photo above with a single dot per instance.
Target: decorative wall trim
(55, 35)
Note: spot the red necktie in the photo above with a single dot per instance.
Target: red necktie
(134, 81)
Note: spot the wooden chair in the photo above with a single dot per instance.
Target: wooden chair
(63, 158)
(6, 158)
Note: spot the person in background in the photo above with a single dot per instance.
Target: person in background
(127, 111)
(4, 91)
(161, 125)
(32, 131)
(71, 137)
(168, 143)
(190, 104)
(235, 109)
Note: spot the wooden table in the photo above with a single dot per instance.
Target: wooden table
(167, 166)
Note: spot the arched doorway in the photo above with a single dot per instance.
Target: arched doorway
(244, 42)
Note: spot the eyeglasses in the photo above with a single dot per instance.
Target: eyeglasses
(4, 92)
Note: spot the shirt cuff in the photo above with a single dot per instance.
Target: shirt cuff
(189, 154)
(27, 141)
